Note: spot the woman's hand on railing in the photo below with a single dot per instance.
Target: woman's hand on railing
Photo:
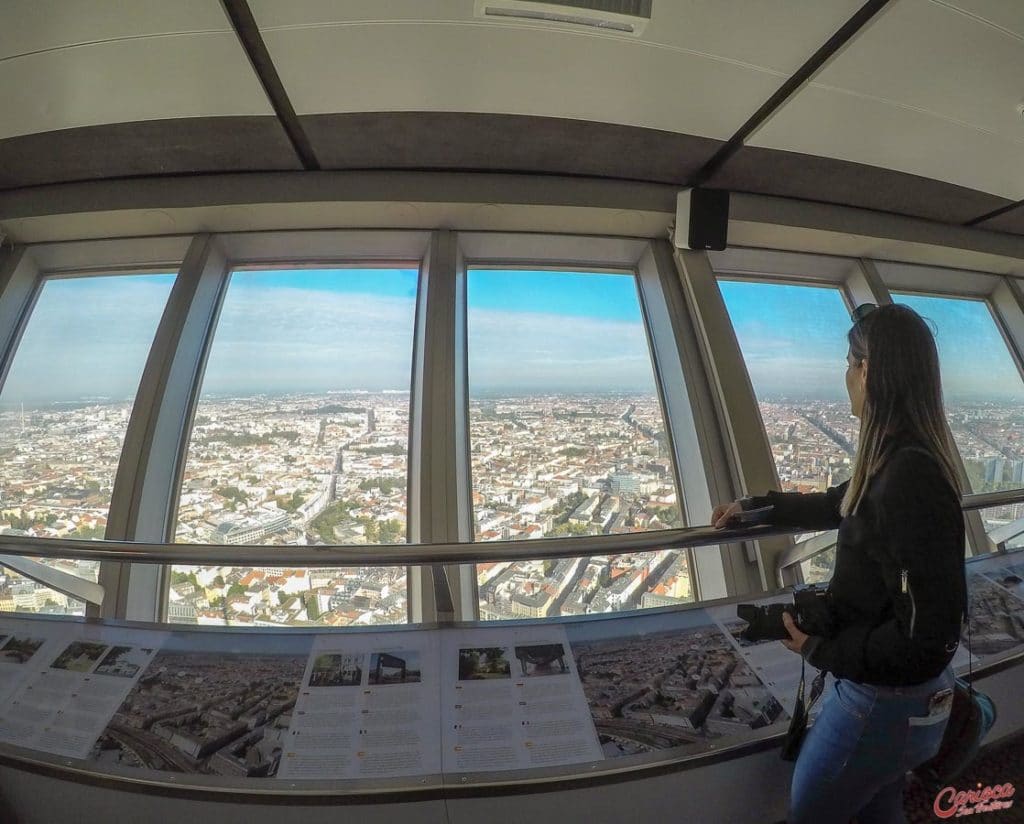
(724, 513)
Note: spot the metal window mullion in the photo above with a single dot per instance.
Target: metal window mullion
(744, 436)
(433, 477)
(149, 476)
(20, 282)
(865, 285)
(462, 578)
(1007, 305)
(703, 474)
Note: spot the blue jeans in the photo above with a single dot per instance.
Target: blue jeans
(855, 755)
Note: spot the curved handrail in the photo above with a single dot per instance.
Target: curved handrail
(418, 554)
(383, 554)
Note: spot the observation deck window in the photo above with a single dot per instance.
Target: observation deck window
(568, 438)
(301, 437)
(64, 412)
(982, 388)
(794, 346)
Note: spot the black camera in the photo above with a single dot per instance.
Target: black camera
(810, 610)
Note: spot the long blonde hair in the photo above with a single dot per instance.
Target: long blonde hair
(903, 395)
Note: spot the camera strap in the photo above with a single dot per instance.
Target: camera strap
(798, 723)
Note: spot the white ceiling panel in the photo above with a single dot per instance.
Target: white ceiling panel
(28, 26)
(777, 35)
(126, 80)
(487, 68)
(924, 89)
(863, 130)
(1003, 14)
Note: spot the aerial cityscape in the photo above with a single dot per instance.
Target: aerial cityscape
(678, 688)
(331, 468)
(218, 711)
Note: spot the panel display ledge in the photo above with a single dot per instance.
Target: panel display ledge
(417, 712)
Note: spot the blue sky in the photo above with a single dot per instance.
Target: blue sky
(793, 339)
(564, 332)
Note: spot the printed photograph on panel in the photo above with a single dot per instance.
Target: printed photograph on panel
(19, 649)
(398, 667)
(209, 703)
(996, 616)
(334, 669)
(1010, 578)
(541, 659)
(124, 662)
(674, 681)
(80, 656)
(483, 663)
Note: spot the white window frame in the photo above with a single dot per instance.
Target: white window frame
(21, 282)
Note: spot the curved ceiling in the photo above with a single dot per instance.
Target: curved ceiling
(916, 113)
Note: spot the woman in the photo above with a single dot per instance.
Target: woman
(897, 596)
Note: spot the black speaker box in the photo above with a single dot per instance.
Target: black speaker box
(702, 218)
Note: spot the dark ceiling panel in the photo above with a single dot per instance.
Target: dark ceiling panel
(1011, 221)
(790, 174)
(152, 147)
(504, 143)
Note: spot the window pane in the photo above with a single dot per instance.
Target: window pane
(20, 594)
(1004, 526)
(982, 388)
(567, 438)
(65, 405)
(301, 437)
(820, 568)
(793, 340)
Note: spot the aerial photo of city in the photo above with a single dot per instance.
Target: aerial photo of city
(669, 688)
(996, 618)
(209, 703)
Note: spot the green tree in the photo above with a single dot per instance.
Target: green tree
(389, 532)
(337, 513)
(573, 451)
(569, 528)
(232, 493)
(235, 589)
(312, 607)
(385, 485)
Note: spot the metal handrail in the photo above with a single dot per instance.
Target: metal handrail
(984, 500)
(342, 555)
(383, 554)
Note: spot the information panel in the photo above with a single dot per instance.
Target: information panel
(369, 705)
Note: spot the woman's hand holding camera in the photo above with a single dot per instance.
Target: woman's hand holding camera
(797, 638)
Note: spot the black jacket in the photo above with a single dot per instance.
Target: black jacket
(899, 589)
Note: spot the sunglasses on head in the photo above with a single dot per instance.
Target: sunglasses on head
(862, 311)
